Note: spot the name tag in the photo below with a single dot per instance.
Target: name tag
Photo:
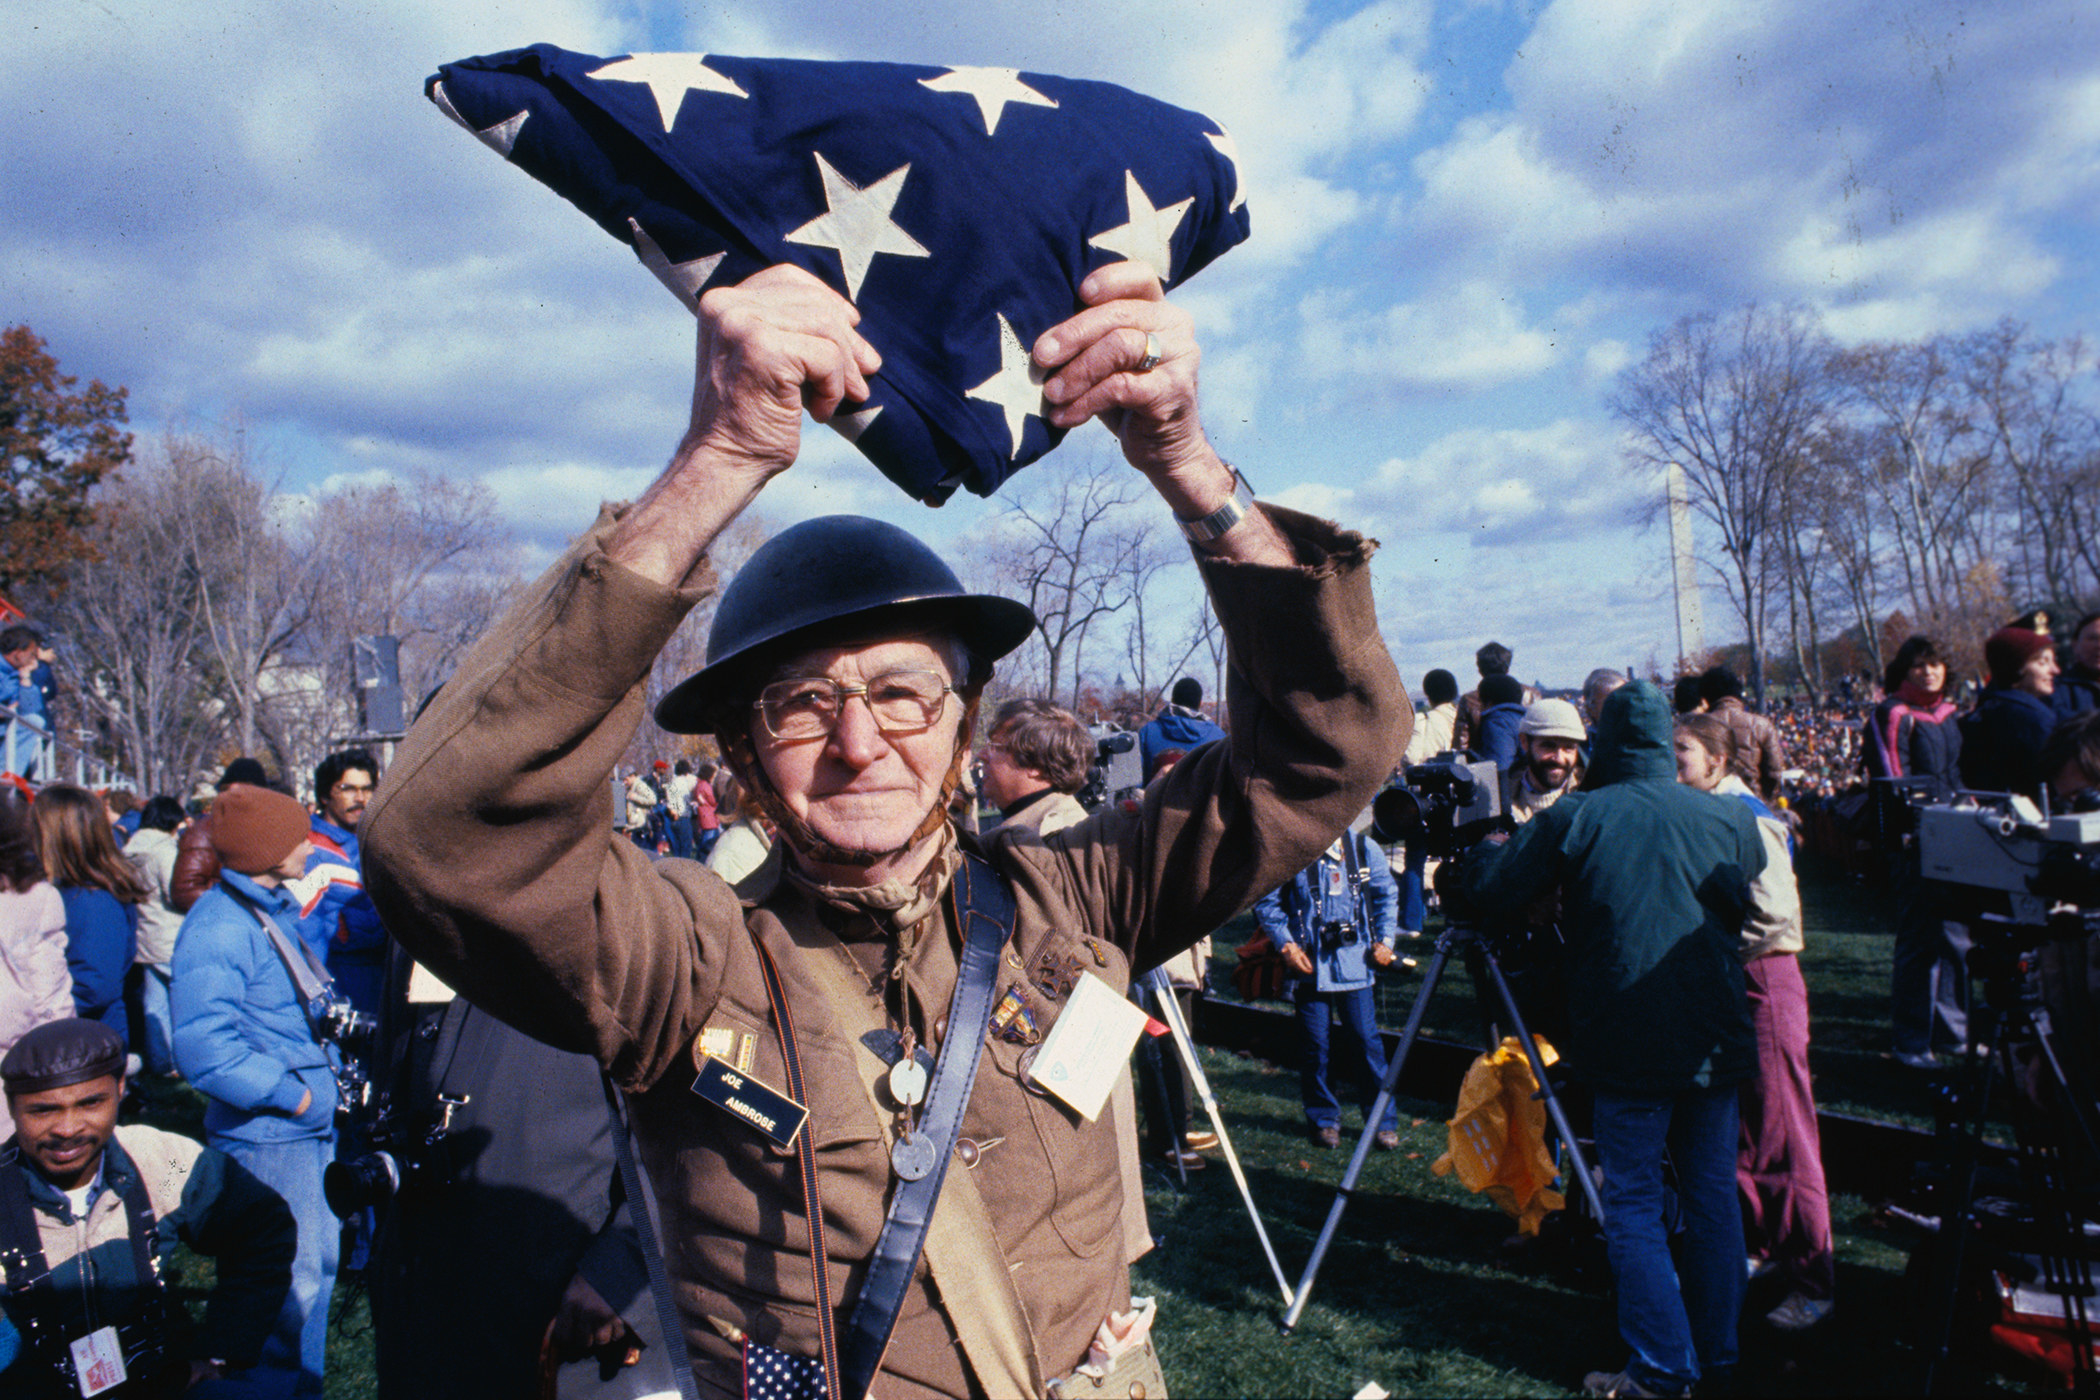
(98, 1361)
(773, 1113)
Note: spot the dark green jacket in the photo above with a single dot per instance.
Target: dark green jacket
(1654, 878)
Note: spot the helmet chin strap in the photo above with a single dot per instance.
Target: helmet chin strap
(743, 759)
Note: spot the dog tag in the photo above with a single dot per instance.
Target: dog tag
(908, 1083)
(913, 1157)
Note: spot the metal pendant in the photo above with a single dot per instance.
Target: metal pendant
(907, 1083)
(912, 1157)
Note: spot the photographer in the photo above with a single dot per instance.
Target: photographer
(1654, 881)
(1335, 920)
(243, 1037)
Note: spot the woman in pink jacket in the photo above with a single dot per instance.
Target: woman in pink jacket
(35, 985)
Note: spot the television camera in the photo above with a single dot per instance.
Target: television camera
(1440, 807)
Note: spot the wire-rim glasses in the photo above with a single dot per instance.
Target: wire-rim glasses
(808, 707)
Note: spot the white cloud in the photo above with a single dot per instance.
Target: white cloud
(1470, 336)
(1505, 486)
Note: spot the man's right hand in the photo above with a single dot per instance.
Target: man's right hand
(1295, 955)
(774, 345)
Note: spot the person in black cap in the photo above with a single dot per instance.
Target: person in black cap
(86, 1207)
(1180, 725)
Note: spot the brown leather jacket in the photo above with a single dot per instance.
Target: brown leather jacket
(196, 865)
(490, 854)
(1760, 754)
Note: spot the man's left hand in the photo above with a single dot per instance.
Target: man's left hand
(1382, 954)
(585, 1322)
(1093, 362)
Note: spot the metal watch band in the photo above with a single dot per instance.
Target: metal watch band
(1224, 517)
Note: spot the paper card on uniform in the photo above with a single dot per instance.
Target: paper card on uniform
(425, 988)
(1089, 1046)
(98, 1361)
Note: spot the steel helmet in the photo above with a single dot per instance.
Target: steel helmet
(826, 574)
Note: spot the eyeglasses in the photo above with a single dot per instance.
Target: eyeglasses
(809, 707)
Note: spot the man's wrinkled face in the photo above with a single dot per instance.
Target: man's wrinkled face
(1552, 760)
(344, 804)
(63, 1131)
(858, 788)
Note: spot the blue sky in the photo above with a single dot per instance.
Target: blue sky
(1467, 217)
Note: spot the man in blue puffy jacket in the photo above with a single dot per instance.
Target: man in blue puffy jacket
(243, 1037)
(1333, 920)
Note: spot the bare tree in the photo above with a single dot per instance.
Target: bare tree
(2044, 439)
(1736, 402)
(130, 624)
(1061, 556)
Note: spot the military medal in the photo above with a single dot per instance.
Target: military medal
(1013, 1021)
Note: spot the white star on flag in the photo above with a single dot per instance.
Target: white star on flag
(1228, 148)
(670, 77)
(1018, 386)
(858, 223)
(684, 279)
(1149, 236)
(992, 87)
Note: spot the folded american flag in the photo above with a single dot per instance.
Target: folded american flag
(959, 209)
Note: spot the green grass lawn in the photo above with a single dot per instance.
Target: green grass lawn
(1420, 1293)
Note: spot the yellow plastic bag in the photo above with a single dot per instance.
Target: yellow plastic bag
(1498, 1135)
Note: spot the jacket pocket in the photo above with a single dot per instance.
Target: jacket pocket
(1085, 1177)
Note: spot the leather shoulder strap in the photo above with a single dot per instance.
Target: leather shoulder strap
(985, 913)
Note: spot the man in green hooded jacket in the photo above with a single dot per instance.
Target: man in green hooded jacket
(1654, 877)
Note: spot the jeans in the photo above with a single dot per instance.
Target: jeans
(1414, 903)
(295, 1354)
(152, 1029)
(1679, 1326)
(682, 837)
(1365, 1051)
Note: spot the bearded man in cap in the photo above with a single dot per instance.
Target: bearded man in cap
(1549, 759)
(89, 1209)
(844, 667)
(244, 1036)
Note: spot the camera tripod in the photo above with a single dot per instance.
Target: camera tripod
(1454, 939)
(2061, 1175)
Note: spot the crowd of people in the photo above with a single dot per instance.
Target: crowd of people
(871, 997)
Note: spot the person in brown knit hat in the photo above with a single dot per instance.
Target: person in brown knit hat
(243, 1037)
(259, 831)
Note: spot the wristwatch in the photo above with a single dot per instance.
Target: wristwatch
(1224, 517)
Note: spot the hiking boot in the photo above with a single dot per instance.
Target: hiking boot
(1327, 1137)
(1620, 1383)
(1199, 1141)
(1799, 1312)
(1387, 1140)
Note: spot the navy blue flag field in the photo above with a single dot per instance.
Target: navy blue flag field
(958, 208)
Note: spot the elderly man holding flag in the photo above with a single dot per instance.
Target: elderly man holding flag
(892, 1043)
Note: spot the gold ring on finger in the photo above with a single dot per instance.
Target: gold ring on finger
(1152, 356)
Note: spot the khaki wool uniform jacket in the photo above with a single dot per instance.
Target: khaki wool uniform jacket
(490, 855)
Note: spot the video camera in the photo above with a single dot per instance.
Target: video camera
(1115, 768)
(1440, 807)
(2004, 844)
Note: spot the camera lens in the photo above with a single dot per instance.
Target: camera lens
(370, 1180)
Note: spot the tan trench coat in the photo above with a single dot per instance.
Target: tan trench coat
(490, 856)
